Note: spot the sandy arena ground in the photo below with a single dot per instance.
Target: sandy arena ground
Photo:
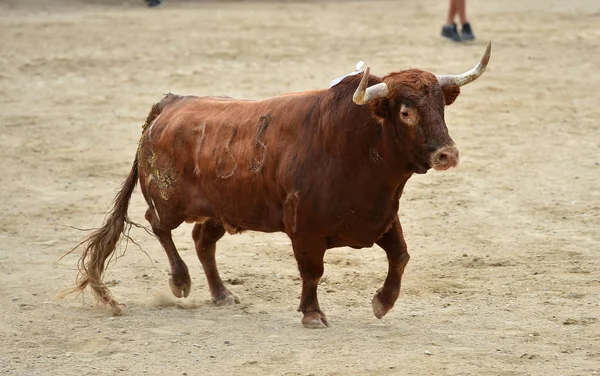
(505, 271)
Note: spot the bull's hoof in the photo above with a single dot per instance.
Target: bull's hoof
(379, 308)
(227, 299)
(180, 290)
(315, 320)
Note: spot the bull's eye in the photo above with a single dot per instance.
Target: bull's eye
(409, 115)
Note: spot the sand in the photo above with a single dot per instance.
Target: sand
(504, 277)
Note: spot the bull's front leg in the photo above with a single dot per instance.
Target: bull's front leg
(309, 254)
(394, 246)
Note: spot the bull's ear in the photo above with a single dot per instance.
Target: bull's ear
(451, 92)
(381, 108)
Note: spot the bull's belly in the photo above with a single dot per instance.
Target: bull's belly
(333, 242)
(356, 239)
(236, 216)
(362, 232)
(236, 225)
(237, 220)
(253, 207)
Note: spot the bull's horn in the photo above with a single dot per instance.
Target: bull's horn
(364, 94)
(469, 76)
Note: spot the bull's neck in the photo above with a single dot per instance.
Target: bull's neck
(357, 136)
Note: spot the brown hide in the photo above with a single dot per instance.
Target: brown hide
(311, 162)
(315, 165)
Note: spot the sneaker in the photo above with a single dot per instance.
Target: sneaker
(466, 33)
(450, 32)
(153, 3)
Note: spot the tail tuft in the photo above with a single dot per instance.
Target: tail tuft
(99, 247)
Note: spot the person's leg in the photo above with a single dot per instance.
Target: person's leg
(461, 10)
(451, 12)
(466, 33)
(449, 29)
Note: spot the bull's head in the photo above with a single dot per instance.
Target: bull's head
(411, 104)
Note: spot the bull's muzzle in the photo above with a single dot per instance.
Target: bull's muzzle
(444, 158)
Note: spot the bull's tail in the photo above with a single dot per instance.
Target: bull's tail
(99, 247)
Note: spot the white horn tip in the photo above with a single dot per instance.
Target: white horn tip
(488, 52)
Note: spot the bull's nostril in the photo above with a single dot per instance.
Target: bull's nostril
(445, 158)
(442, 159)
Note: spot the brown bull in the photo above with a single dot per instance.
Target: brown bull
(327, 167)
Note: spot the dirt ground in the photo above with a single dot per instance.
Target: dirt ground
(505, 271)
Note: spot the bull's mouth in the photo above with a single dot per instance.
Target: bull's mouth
(421, 168)
(442, 167)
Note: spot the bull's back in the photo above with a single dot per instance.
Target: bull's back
(223, 158)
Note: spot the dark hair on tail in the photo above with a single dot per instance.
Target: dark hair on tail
(99, 247)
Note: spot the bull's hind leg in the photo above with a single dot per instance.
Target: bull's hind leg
(309, 256)
(394, 246)
(180, 281)
(205, 237)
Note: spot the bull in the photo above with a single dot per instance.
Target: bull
(326, 167)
